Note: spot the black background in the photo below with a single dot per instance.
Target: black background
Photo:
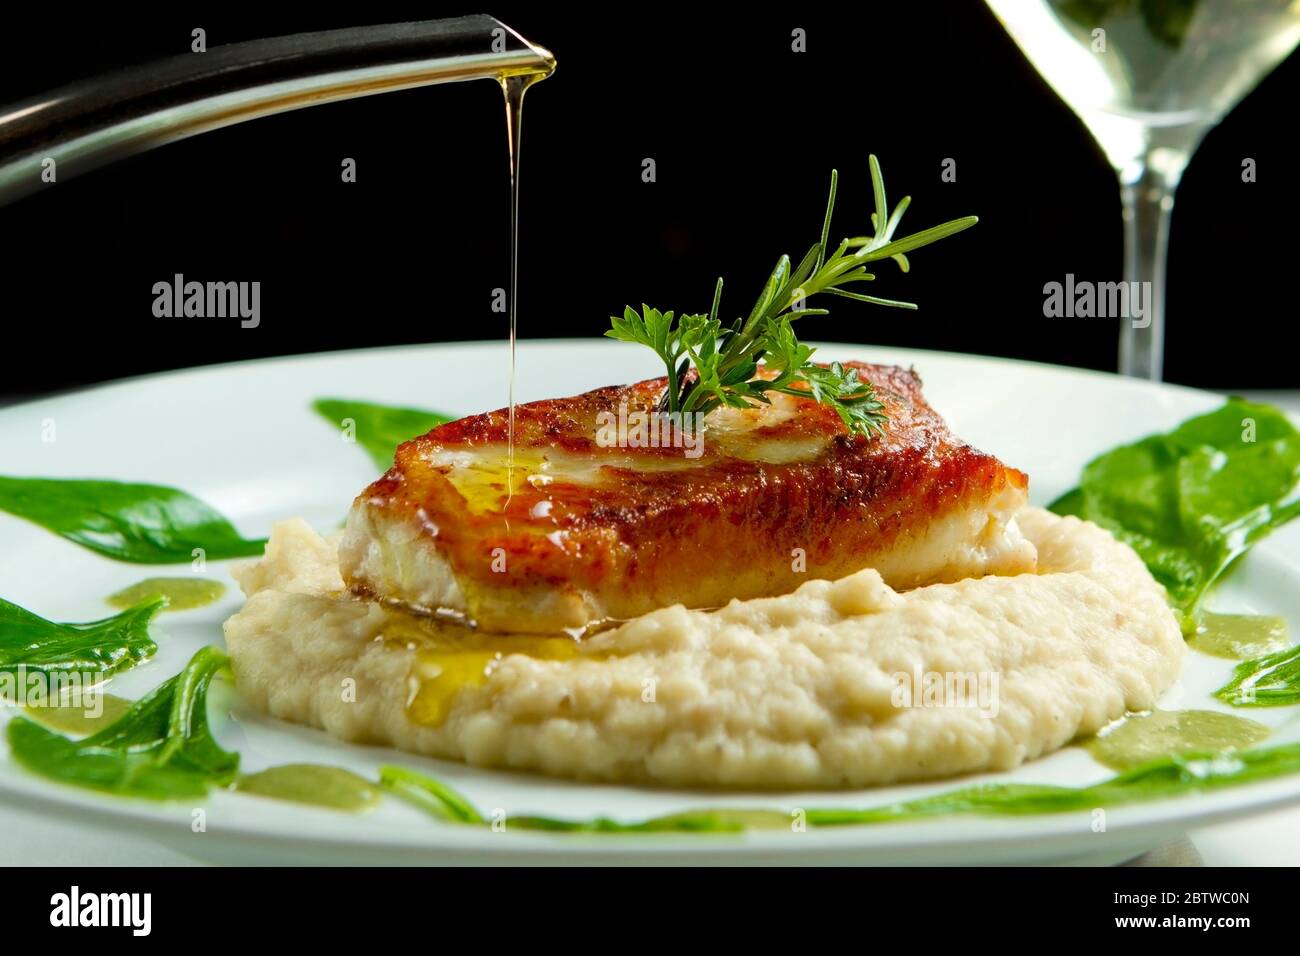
(1080, 898)
(743, 132)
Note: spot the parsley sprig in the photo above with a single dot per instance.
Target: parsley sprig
(726, 359)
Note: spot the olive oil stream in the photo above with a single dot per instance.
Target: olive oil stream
(514, 87)
(449, 655)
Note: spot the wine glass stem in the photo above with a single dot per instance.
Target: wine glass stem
(1148, 197)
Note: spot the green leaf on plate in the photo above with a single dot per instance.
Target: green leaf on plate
(143, 524)
(160, 749)
(379, 429)
(101, 648)
(1193, 500)
(1269, 681)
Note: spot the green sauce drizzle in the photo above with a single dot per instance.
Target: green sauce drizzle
(1167, 777)
(1143, 738)
(313, 784)
(1239, 636)
(79, 719)
(182, 594)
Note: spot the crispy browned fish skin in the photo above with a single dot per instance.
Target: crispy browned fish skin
(716, 528)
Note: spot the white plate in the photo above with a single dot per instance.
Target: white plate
(243, 437)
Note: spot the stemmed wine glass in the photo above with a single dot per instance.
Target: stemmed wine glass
(1149, 78)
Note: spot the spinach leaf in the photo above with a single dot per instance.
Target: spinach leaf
(379, 429)
(144, 524)
(1191, 501)
(1269, 681)
(162, 748)
(101, 648)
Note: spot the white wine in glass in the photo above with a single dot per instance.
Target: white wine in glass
(1149, 78)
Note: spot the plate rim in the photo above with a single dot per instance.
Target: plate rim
(20, 788)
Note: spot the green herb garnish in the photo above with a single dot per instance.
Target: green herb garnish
(1269, 681)
(379, 429)
(1193, 500)
(99, 648)
(162, 748)
(726, 360)
(144, 524)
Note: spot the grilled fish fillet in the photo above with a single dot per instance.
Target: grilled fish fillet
(577, 532)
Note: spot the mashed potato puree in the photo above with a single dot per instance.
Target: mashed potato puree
(798, 691)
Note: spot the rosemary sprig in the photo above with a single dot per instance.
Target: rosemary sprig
(726, 359)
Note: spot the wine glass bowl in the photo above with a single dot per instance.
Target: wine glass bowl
(1149, 78)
